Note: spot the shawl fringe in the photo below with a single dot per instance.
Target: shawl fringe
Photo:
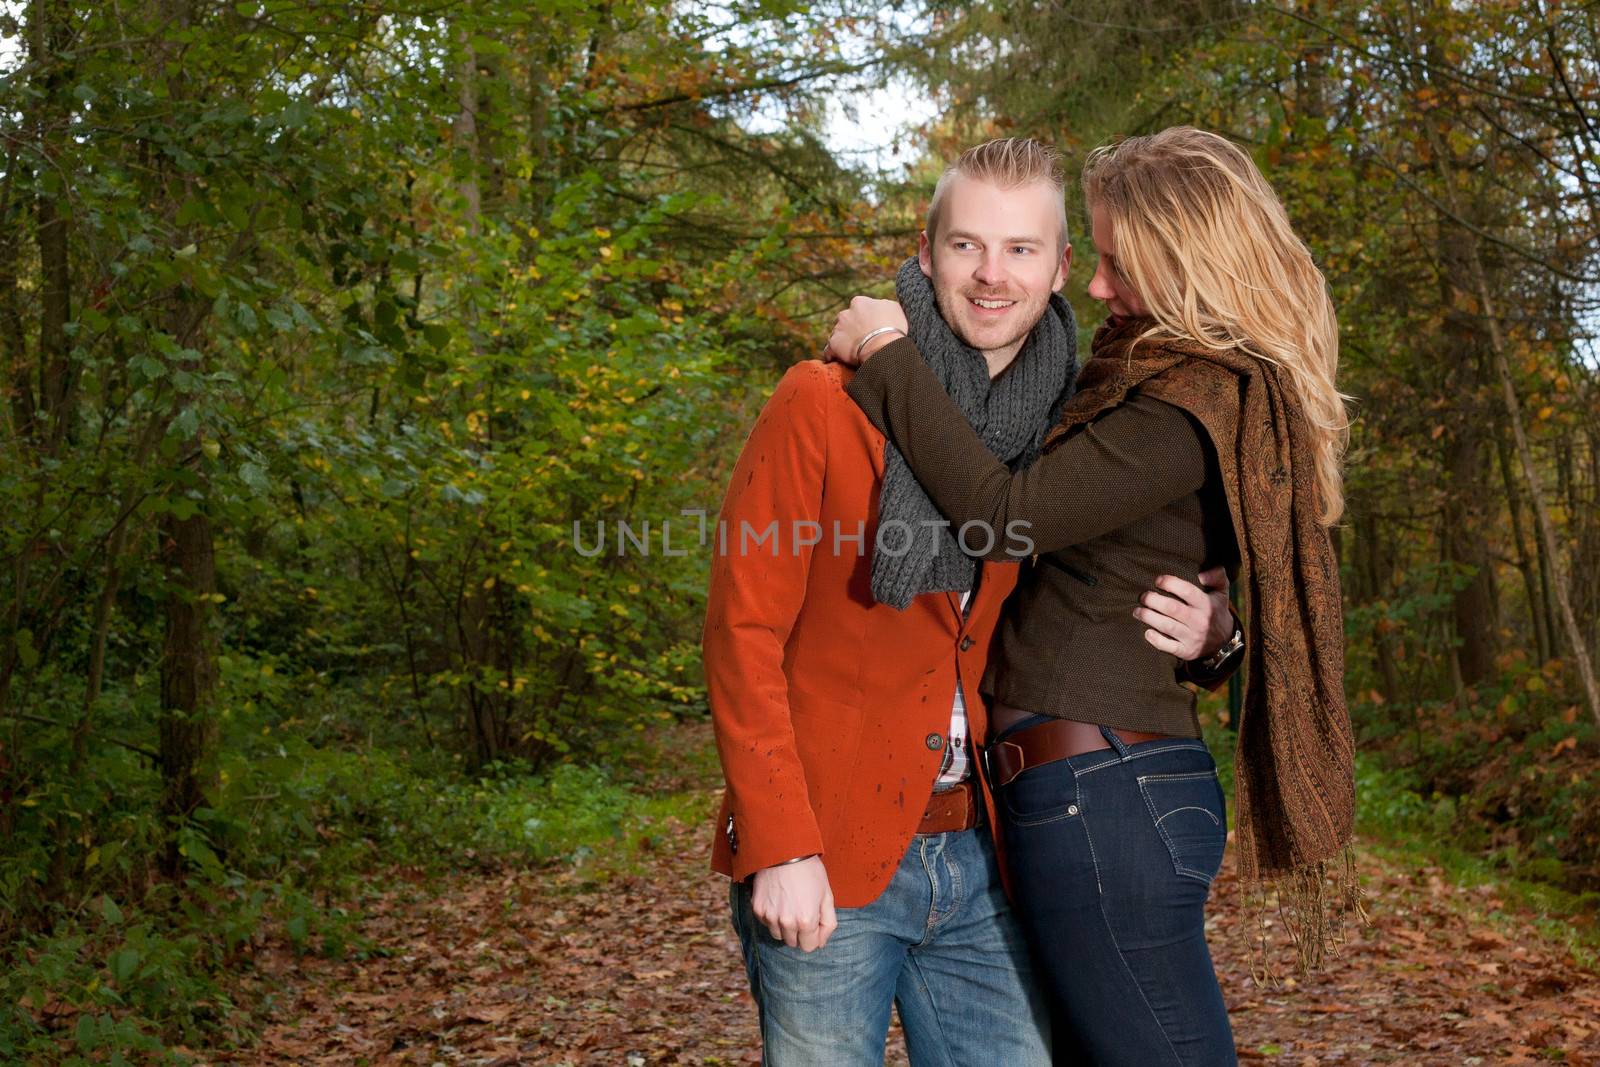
(1314, 904)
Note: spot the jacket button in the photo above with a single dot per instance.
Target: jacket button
(934, 741)
(966, 643)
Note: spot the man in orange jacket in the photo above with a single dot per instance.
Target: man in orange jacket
(842, 654)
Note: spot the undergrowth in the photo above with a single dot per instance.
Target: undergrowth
(136, 968)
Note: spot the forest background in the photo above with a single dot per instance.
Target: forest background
(329, 333)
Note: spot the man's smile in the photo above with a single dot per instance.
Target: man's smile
(984, 304)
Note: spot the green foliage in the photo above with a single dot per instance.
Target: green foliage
(1400, 818)
(1440, 171)
(378, 302)
(370, 306)
(296, 829)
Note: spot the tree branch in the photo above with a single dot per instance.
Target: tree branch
(763, 85)
(1494, 239)
(129, 745)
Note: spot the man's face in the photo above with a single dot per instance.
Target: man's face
(995, 261)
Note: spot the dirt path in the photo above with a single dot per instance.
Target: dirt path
(543, 968)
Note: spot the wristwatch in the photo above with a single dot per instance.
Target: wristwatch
(1229, 647)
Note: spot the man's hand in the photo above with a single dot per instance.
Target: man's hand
(794, 902)
(864, 315)
(1193, 621)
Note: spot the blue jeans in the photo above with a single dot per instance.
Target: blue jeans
(940, 942)
(1112, 854)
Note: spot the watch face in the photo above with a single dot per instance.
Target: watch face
(1222, 654)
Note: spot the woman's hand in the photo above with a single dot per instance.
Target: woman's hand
(864, 315)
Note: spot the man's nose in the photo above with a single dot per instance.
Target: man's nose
(989, 271)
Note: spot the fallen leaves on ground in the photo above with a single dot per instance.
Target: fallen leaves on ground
(554, 967)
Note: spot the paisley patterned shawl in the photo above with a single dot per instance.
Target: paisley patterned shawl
(1295, 761)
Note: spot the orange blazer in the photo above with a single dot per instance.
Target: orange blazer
(831, 711)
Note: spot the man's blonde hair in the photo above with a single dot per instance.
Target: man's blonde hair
(1205, 242)
(1006, 163)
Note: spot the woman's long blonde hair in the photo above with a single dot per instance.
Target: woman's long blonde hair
(1202, 238)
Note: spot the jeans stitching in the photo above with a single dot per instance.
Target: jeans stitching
(957, 887)
(1191, 807)
(1134, 979)
(938, 1016)
(933, 890)
(1094, 860)
(1028, 823)
(1049, 815)
(1178, 866)
(1078, 772)
(1191, 776)
(1181, 746)
(938, 917)
(1058, 813)
(753, 947)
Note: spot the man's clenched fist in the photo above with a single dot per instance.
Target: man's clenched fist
(795, 904)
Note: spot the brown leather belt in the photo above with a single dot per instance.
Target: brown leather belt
(1047, 742)
(951, 811)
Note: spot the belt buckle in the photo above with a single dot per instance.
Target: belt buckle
(994, 781)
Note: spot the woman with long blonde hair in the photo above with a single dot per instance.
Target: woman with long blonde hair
(1206, 429)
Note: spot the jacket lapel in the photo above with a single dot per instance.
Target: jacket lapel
(955, 605)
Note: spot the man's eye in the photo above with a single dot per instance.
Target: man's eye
(1024, 249)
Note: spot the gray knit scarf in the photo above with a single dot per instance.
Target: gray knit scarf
(1011, 414)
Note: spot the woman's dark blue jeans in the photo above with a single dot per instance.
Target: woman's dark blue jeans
(1111, 855)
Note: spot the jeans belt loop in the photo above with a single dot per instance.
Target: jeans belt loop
(1123, 752)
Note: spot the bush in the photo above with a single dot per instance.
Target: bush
(136, 966)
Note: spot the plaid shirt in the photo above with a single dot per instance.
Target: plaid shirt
(957, 765)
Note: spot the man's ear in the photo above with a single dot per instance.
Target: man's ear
(1063, 268)
(925, 254)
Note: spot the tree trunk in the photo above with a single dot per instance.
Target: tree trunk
(1473, 613)
(188, 666)
(1530, 473)
(14, 356)
(1464, 534)
(1375, 578)
(464, 131)
(540, 57)
(1525, 557)
(1513, 407)
(14, 364)
(49, 23)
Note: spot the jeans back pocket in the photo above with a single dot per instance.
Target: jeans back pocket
(1188, 810)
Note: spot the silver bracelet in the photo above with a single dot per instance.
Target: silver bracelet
(797, 859)
(875, 333)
